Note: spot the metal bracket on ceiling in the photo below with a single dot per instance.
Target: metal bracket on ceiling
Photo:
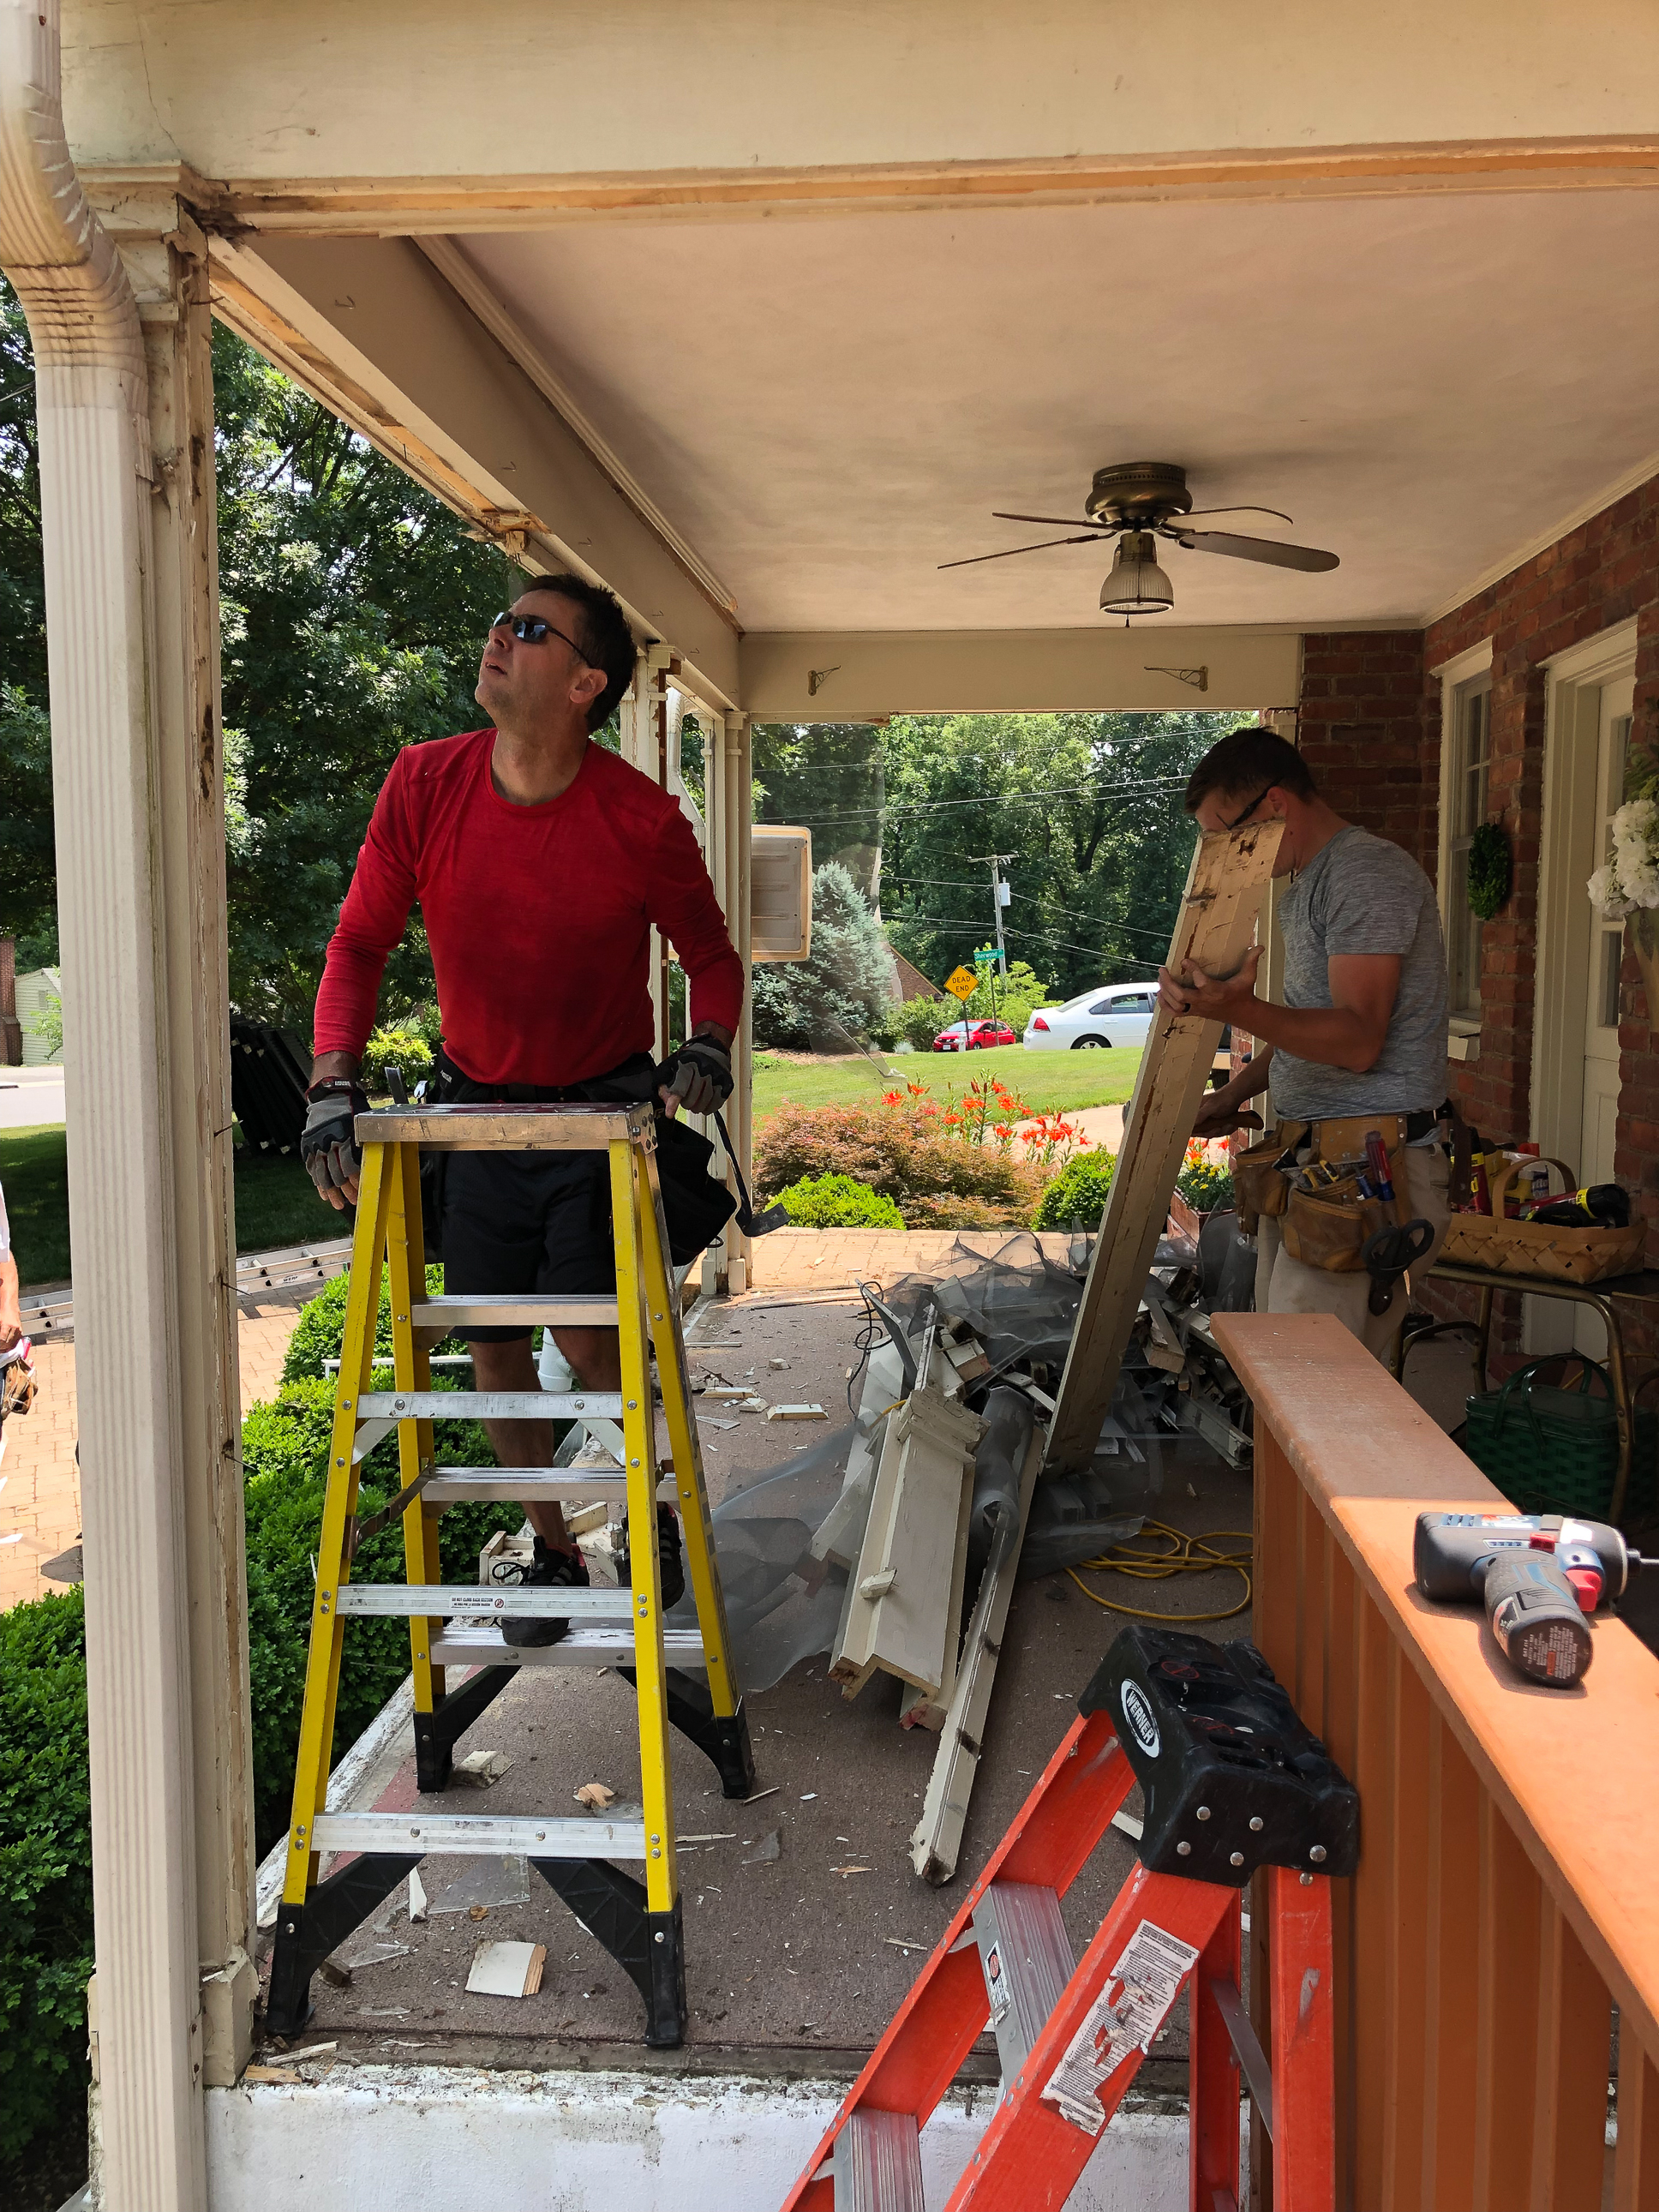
(1197, 678)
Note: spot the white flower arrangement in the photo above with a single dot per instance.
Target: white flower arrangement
(1631, 879)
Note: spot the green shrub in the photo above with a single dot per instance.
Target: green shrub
(823, 1004)
(1206, 1189)
(404, 1046)
(285, 1460)
(319, 1333)
(45, 1868)
(835, 1201)
(917, 1022)
(937, 1181)
(1077, 1193)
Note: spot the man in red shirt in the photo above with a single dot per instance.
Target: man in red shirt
(541, 860)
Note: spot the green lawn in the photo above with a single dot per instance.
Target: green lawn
(1047, 1082)
(277, 1204)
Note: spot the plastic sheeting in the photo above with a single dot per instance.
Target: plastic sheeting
(783, 1604)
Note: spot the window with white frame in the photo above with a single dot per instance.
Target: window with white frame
(1469, 738)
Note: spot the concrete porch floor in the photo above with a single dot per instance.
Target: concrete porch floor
(794, 1967)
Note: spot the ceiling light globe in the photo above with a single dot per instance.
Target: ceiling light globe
(1137, 586)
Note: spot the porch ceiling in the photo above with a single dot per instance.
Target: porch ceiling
(828, 407)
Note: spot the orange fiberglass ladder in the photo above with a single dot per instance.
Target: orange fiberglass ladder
(1232, 1782)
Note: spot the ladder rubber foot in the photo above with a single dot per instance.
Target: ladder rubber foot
(723, 1739)
(647, 1946)
(436, 1733)
(307, 1933)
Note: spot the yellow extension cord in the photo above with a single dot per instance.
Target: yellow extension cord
(1188, 1555)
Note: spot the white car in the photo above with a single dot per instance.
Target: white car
(1118, 1014)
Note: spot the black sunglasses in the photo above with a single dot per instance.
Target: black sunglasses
(1239, 819)
(531, 630)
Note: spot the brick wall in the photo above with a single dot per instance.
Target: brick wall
(1362, 732)
(1371, 729)
(1596, 576)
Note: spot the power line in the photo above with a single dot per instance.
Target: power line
(1150, 785)
(1037, 936)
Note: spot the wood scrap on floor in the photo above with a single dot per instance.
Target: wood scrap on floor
(507, 1969)
(936, 1843)
(899, 1616)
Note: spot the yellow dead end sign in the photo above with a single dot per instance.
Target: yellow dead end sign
(962, 985)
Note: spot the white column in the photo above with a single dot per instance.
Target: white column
(734, 897)
(115, 588)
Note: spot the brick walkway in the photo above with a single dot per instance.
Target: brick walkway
(40, 1496)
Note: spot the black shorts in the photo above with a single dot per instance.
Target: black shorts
(523, 1222)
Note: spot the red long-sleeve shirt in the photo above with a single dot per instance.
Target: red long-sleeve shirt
(539, 917)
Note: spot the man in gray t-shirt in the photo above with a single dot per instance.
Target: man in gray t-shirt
(1362, 1030)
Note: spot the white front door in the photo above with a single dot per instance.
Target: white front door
(1606, 952)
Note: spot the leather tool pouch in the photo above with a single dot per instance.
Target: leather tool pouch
(1259, 1187)
(1328, 1228)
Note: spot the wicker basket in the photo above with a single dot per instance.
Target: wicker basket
(1533, 1248)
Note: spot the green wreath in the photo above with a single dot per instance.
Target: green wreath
(1489, 869)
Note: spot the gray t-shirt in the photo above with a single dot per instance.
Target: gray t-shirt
(1361, 893)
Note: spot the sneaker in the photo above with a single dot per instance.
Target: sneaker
(670, 1563)
(548, 1570)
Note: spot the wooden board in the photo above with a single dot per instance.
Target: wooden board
(927, 1708)
(901, 1585)
(937, 1841)
(1225, 884)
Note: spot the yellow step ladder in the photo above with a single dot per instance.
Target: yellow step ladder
(639, 1924)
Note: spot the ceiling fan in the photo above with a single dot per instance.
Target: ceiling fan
(1137, 502)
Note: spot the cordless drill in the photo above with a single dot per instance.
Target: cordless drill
(1537, 1575)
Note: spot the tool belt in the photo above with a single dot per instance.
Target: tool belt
(1329, 1227)
(695, 1207)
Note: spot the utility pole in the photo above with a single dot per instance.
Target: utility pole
(1000, 895)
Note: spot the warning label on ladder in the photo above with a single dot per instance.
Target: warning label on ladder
(1126, 2014)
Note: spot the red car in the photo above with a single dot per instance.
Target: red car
(973, 1036)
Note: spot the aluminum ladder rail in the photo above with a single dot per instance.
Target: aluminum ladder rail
(639, 1923)
(1071, 2033)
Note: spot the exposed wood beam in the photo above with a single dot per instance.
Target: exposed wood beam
(380, 206)
(461, 274)
(374, 331)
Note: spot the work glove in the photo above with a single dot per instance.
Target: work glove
(327, 1145)
(698, 1077)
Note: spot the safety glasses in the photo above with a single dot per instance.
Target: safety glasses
(531, 630)
(1239, 820)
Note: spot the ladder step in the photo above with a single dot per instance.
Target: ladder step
(488, 1404)
(456, 1485)
(483, 1601)
(601, 1644)
(618, 1833)
(556, 1126)
(878, 2163)
(1027, 1958)
(513, 1310)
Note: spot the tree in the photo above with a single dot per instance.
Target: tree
(353, 608)
(1088, 806)
(826, 1002)
(830, 777)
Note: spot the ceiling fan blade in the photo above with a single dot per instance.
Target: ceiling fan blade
(1061, 521)
(1267, 550)
(1088, 538)
(1193, 513)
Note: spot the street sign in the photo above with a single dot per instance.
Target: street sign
(962, 985)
